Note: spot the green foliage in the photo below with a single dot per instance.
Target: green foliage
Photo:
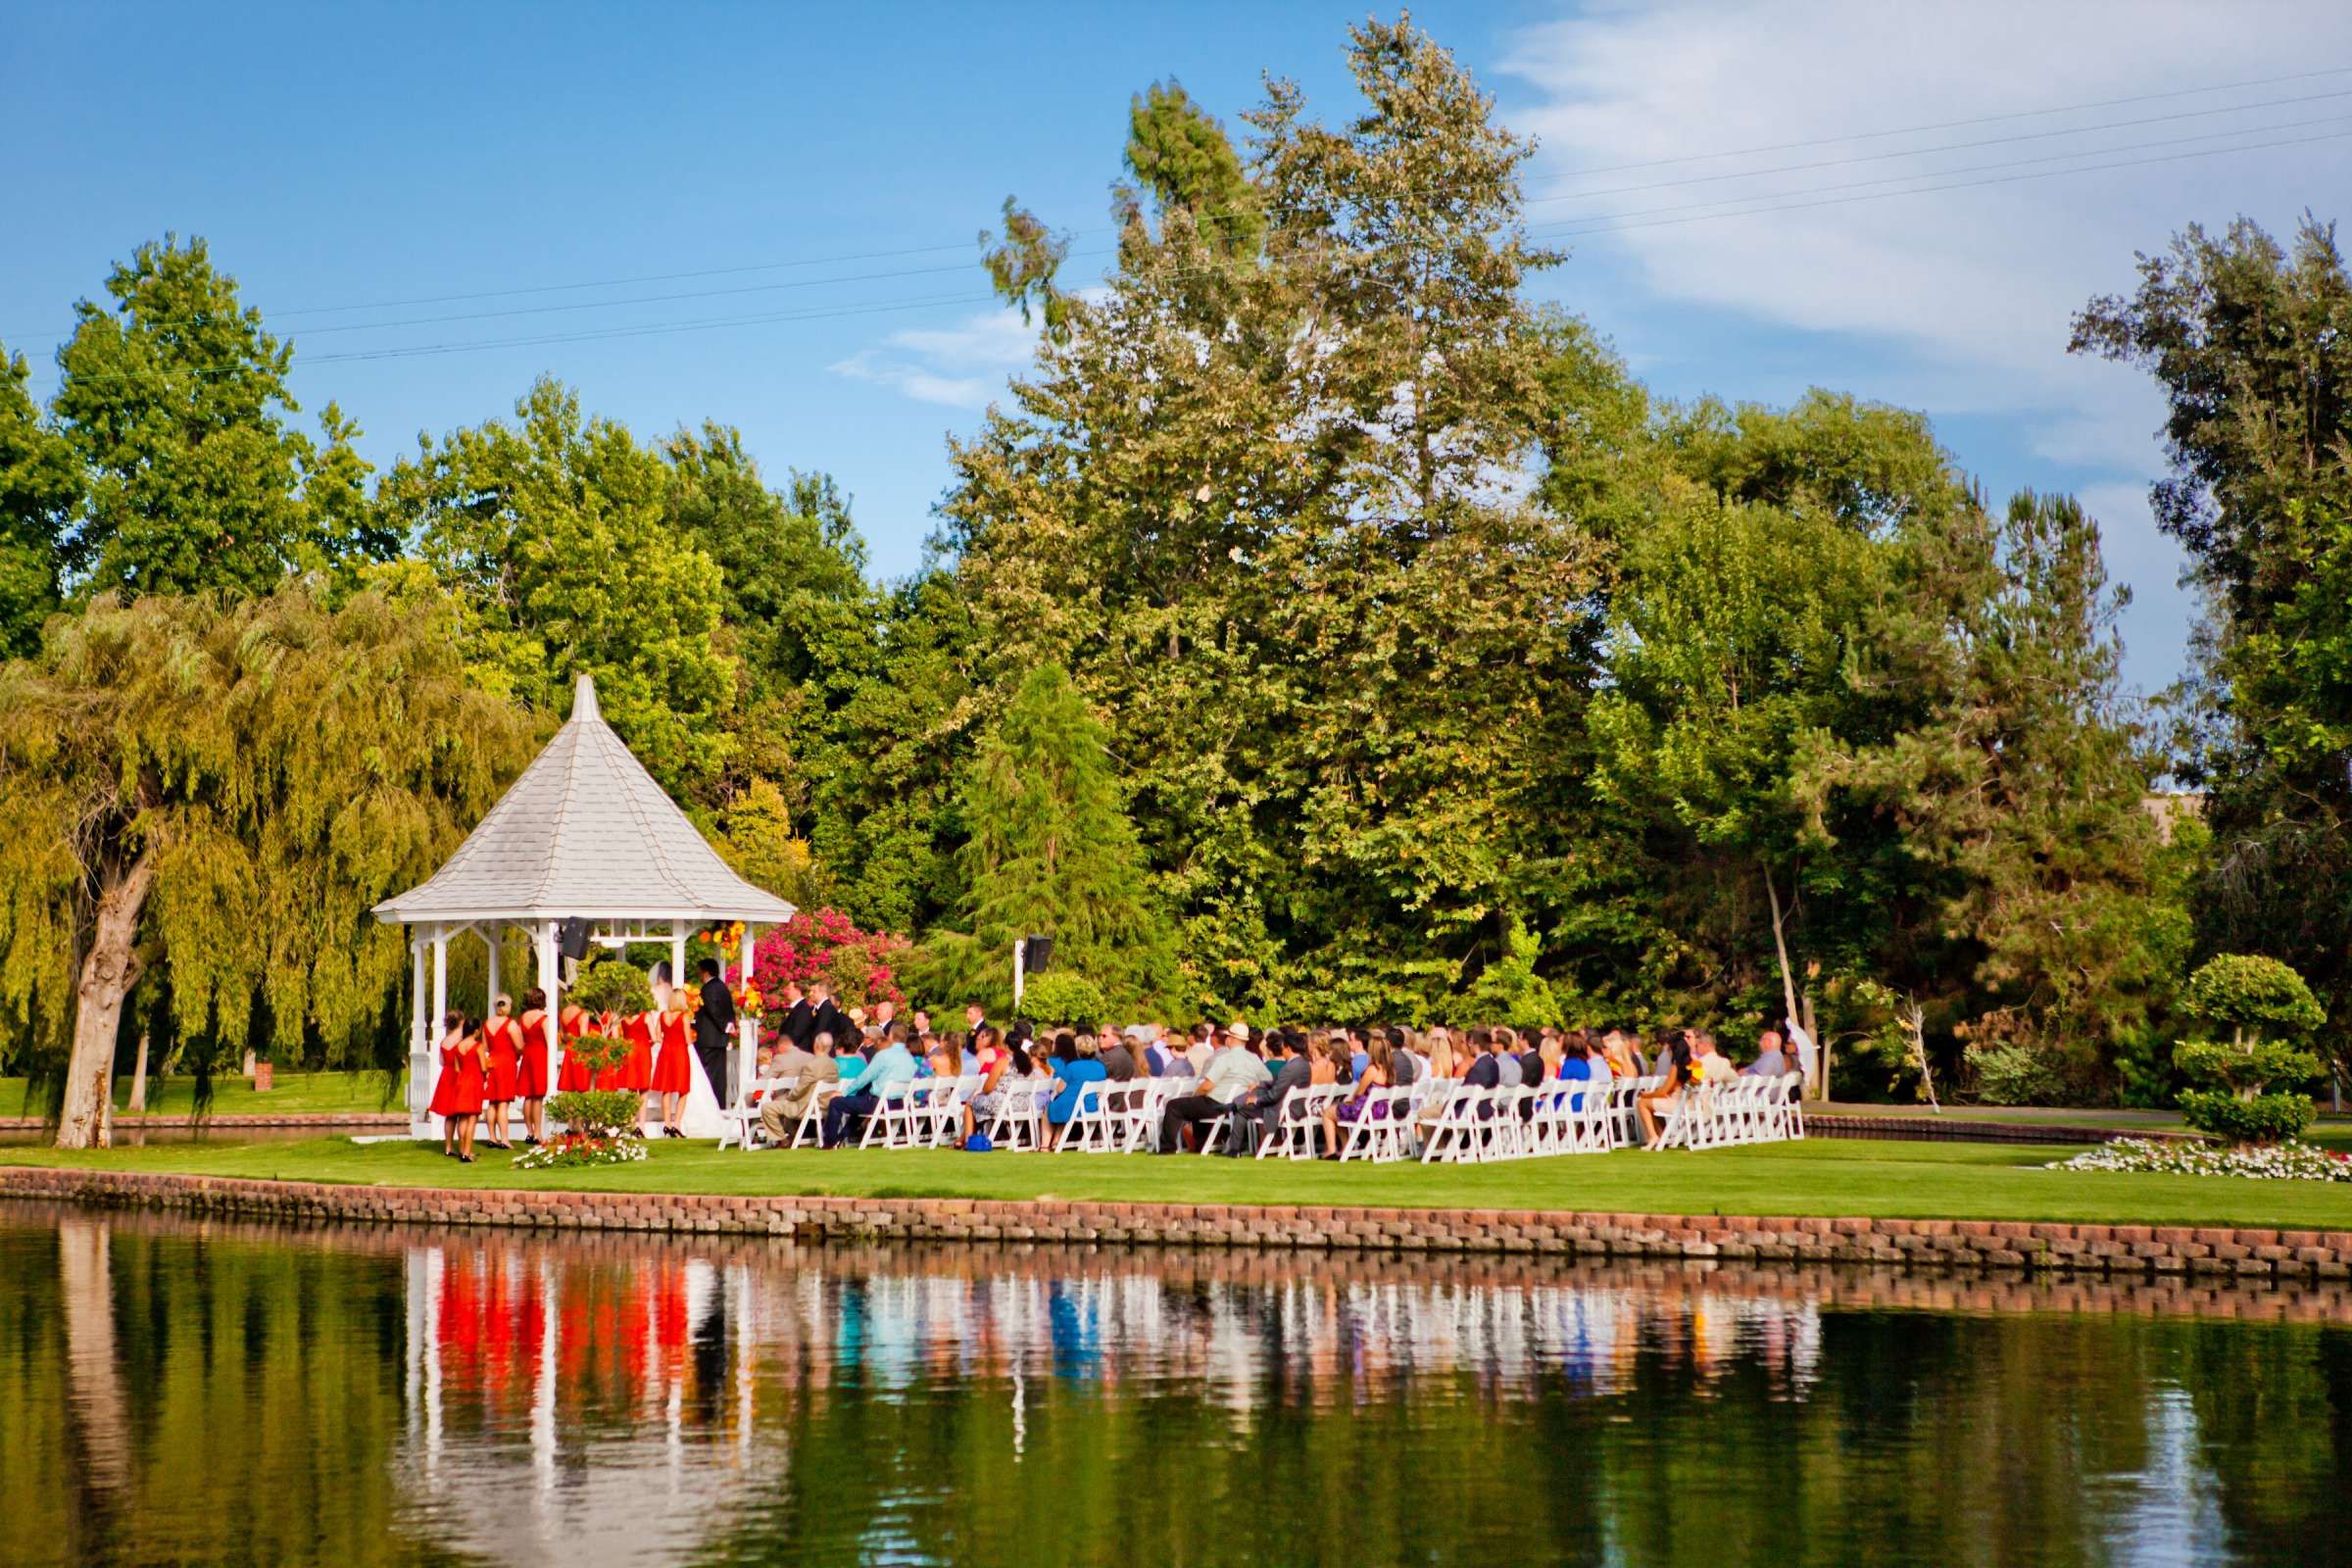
(553, 536)
(1064, 997)
(612, 984)
(2246, 1068)
(2014, 1075)
(756, 838)
(1178, 153)
(2245, 337)
(172, 401)
(2262, 1119)
(2253, 996)
(251, 778)
(1509, 991)
(40, 485)
(1050, 851)
(597, 1113)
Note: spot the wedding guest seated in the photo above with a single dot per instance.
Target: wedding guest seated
(1709, 1065)
(1771, 1060)
(798, 1071)
(1260, 1114)
(1076, 1070)
(1656, 1104)
(1352, 1109)
(1232, 1072)
(860, 1090)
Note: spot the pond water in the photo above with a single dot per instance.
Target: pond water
(179, 1392)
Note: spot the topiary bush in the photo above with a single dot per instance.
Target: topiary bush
(2013, 1075)
(2267, 1008)
(1059, 998)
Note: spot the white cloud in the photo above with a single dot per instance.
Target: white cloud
(1961, 298)
(962, 367)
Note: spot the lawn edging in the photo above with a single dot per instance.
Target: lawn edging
(2127, 1249)
(328, 1121)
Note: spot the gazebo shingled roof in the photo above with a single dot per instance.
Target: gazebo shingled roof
(585, 831)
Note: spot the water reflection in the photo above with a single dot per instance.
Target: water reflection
(179, 1392)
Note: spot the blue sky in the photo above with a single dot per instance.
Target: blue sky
(438, 176)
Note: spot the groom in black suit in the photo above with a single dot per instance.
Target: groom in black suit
(711, 1022)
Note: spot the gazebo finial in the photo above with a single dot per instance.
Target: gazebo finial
(583, 698)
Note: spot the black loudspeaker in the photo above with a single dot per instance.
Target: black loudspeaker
(572, 940)
(1037, 954)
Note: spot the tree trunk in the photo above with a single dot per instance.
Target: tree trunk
(107, 972)
(139, 1080)
(1780, 944)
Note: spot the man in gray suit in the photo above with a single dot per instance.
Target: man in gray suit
(1262, 1112)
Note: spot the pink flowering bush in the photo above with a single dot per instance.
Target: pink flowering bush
(861, 967)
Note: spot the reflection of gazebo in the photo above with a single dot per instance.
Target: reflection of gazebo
(585, 835)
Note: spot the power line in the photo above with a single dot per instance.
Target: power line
(1974, 169)
(1956, 125)
(1607, 226)
(1957, 146)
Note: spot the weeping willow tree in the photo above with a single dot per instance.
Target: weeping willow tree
(228, 787)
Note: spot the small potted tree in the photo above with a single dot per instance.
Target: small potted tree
(601, 1125)
(2268, 1012)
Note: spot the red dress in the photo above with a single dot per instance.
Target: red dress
(504, 1042)
(533, 1080)
(671, 1073)
(574, 1075)
(458, 1089)
(636, 1069)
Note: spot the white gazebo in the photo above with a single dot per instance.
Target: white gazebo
(585, 834)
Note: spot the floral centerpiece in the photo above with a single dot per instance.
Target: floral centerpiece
(601, 1124)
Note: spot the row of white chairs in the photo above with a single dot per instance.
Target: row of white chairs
(1747, 1110)
(1469, 1125)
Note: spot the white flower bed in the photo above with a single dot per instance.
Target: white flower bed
(575, 1148)
(2292, 1161)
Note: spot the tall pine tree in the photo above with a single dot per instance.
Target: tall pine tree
(1052, 852)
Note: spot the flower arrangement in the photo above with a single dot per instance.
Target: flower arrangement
(826, 944)
(2288, 1161)
(583, 1149)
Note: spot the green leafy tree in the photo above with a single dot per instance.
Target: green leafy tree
(1178, 153)
(1250, 501)
(174, 399)
(40, 486)
(2250, 341)
(552, 534)
(1052, 852)
(2268, 1011)
(227, 787)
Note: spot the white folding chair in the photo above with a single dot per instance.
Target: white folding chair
(948, 1100)
(1454, 1135)
(1095, 1126)
(1296, 1120)
(889, 1115)
(1019, 1125)
(1380, 1131)
(811, 1125)
(1146, 1101)
(739, 1124)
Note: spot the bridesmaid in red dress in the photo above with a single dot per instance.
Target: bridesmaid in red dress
(533, 1084)
(574, 1025)
(502, 1048)
(673, 1071)
(637, 1068)
(458, 1092)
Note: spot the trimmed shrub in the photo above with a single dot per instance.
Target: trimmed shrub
(2014, 1075)
(1059, 998)
(2263, 1119)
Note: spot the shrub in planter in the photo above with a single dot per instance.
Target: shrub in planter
(1058, 997)
(2266, 1007)
(2013, 1075)
(600, 1123)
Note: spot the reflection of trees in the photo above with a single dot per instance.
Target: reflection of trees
(391, 1397)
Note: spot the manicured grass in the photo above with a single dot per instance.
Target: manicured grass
(294, 1094)
(1921, 1181)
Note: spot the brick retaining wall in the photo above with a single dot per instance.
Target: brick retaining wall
(2126, 1250)
(339, 1121)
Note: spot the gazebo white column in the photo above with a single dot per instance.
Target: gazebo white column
(747, 1025)
(489, 931)
(551, 981)
(423, 1066)
(440, 975)
(677, 953)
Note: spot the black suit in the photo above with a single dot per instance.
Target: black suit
(831, 1020)
(1266, 1103)
(799, 1024)
(710, 1023)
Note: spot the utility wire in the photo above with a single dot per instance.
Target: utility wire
(1956, 125)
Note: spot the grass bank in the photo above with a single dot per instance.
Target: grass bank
(351, 1094)
(1816, 1177)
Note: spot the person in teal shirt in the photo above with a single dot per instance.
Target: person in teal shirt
(860, 1091)
(1073, 1072)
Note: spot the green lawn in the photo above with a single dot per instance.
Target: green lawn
(295, 1093)
(1816, 1177)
